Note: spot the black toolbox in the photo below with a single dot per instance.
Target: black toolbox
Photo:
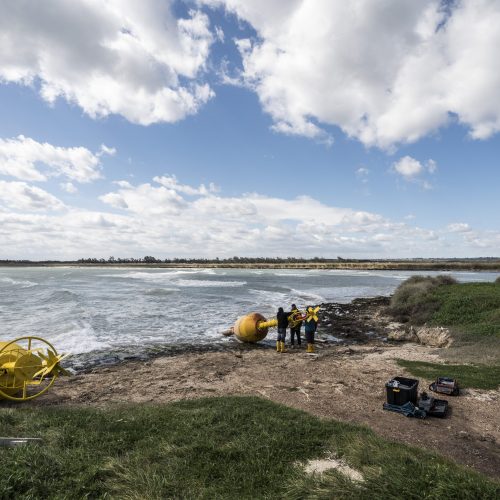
(400, 390)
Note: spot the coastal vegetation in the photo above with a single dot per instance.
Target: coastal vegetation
(230, 447)
(457, 264)
(473, 376)
(471, 309)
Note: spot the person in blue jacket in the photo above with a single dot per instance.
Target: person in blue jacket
(310, 326)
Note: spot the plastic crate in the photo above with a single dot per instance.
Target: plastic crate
(433, 407)
(400, 390)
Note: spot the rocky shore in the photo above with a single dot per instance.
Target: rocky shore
(344, 380)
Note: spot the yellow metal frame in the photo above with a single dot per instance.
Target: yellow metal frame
(24, 396)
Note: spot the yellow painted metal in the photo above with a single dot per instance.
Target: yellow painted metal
(28, 367)
(267, 324)
(312, 313)
(247, 328)
(254, 327)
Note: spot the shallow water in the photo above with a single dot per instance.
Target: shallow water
(108, 314)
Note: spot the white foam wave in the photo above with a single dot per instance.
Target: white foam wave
(192, 271)
(160, 291)
(270, 297)
(161, 276)
(307, 294)
(291, 274)
(208, 283)
(139, 275)
(284, 299)
(78, 338)
(22, 283)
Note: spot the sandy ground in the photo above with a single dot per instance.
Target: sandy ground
(345, 381)
(341, 382)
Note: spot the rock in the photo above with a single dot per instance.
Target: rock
(434, 336)
(402, 335)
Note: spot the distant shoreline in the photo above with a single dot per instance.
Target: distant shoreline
(492, 265)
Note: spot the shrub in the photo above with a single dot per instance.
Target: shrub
(497, 281)
(413, 300)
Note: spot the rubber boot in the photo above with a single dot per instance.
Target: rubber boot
(310, 348)
(278, 346)
(283, 348)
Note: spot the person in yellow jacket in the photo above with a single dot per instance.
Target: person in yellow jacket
(295, 327)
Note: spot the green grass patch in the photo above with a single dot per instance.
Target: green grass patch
(233, 447)
(472, 307)
(476, 376)
(469, 308)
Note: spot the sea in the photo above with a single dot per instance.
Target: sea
(105, 315)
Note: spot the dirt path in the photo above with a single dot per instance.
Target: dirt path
(345, 383)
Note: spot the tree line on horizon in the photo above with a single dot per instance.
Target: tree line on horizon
(148, 259)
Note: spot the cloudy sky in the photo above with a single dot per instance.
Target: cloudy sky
(172, 128)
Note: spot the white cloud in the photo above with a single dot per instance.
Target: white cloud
(27, 159)
(170, 182)
(411, 170)
(431, 166)
(145, 199)
(362, 174)
(129, 58)
(105, 150)
(385, 73)
(151, 219)
(458, 227)
(22, 196)
(408, 167)
(219, 33)
(69, 187)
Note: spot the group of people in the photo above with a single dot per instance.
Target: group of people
(293, 319)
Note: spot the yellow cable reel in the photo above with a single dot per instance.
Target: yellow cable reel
(28, 368)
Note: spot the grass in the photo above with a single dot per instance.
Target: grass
(470, 308)
(471, 311)
(476, 376)
(232, 447)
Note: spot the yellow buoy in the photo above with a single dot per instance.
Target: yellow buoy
(254, 327)
(28, 367)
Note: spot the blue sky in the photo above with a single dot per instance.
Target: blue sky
(243, 128)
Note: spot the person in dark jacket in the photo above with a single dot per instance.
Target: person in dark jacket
(311, 324)
(295, 329)
(282, 318)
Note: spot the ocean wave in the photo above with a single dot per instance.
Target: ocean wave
(208, 283)
(79, 338)
(21, 283)
(286, 298)
(290, 274)
(306, 294)
(139, 275)
(160, 291)
(158, 276)
(62, 296)
(269, 297)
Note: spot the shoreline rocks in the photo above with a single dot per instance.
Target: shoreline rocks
(432, 336)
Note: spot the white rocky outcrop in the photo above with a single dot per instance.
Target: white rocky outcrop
(433, 336)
